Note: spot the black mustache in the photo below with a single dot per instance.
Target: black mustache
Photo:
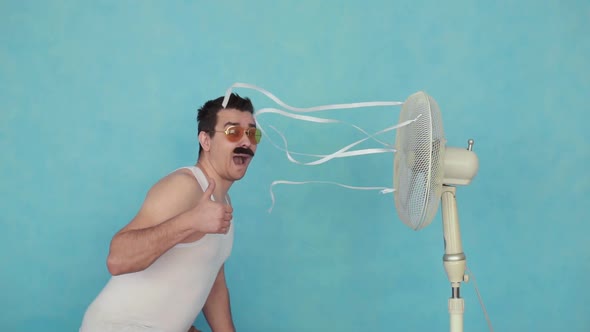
(241, 150)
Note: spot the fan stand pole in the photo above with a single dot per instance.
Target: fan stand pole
(454, 260)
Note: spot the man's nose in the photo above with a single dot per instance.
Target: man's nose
(245, 141)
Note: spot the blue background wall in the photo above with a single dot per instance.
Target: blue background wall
(98, 101)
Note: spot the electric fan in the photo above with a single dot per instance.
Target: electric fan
(425, 172)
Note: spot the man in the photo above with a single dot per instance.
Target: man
(167, 264)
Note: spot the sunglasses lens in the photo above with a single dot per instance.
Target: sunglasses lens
(234, 134)
(255, 136)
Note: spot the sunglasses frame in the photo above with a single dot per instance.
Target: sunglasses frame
(241, 131)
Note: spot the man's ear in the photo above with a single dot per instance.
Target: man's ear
(205, 141)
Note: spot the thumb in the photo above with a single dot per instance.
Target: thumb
(207, 194)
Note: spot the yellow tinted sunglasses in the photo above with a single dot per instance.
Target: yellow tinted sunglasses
(235, 133)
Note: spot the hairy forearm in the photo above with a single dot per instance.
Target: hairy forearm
(135, 250)
(217, 308)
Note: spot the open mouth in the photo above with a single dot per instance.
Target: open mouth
(241, 159)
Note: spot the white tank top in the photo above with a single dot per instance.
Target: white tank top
(169, 294)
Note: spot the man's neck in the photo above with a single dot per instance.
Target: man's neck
(221, 185)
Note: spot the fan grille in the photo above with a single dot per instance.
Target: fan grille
(418, 162)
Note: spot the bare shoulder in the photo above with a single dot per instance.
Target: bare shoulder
(180, 182)
(172, 195)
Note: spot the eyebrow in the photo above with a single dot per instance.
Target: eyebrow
(229, 123)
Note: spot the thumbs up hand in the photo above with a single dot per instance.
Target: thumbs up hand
(211, 216)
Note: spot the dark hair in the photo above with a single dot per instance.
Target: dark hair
(207, 114)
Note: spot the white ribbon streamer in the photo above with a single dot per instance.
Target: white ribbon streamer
(308, 109)
(341, 153)
(317, 120)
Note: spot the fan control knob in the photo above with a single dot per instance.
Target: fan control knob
(470, 144)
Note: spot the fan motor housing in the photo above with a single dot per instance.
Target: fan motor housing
(460, 166)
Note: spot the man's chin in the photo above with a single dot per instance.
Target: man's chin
(238, 174)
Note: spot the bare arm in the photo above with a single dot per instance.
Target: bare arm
(174, 208)
(217, 309)
(136, 249)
